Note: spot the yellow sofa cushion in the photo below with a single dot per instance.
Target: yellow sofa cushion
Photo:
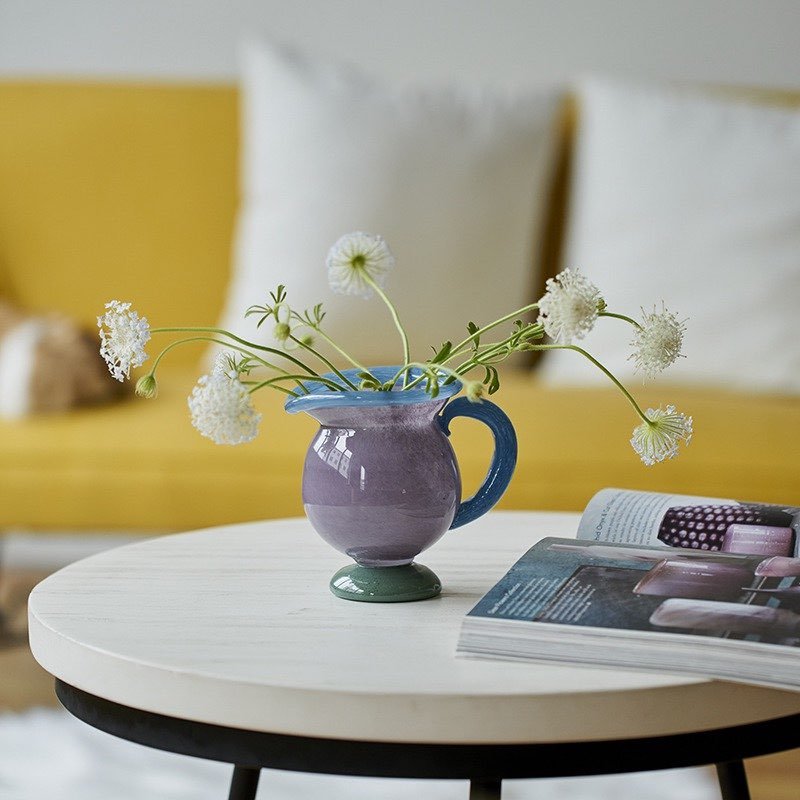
(140, 464)
(129, 191)
(118, 192)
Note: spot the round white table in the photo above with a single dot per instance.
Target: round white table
(227, 644)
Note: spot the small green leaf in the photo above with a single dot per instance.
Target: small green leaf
(491, 379)
(279, 295)
(368, 381)
(442, 353)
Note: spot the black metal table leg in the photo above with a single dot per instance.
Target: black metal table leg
(244, 783)
(733, 781)
(484, 790)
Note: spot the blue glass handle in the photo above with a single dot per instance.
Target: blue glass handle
(504, 458)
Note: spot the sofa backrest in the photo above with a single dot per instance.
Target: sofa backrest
(117, 192)
(127, 191)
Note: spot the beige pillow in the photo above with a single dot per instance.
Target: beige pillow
(47, 363)
(694, 199)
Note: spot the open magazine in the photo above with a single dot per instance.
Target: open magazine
(655, 581)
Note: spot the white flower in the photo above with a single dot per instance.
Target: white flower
(569, 307)
(357, 256)
(123, 335)
(658, 342)
(221, 408)
(658, 439)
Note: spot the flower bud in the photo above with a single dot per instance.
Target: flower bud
(281, 332)
(147, 387)
(473, 391)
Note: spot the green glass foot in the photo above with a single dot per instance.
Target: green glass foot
(385, 584)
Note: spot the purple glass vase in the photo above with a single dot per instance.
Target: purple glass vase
(381, 482)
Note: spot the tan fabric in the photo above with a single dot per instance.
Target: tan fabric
(63, 368)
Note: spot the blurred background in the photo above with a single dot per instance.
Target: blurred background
(511, 41)
(188, 156)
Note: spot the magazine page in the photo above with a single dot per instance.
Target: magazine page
(706, 524)
(629, 588)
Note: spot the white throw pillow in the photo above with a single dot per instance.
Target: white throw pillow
(454, 181)
(693, 199)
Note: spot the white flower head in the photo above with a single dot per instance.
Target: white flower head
(354, 259)
(657, 344)
(123, 335)
(569, 307)
(221, 407)
(658, 439)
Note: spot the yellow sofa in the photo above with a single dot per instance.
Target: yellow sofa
(129, 192)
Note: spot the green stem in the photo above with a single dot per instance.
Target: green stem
(175, 344)
(518, 313)
(273, 386)
(271, 382)
(426, 367)
(395, 317)
(601, 368)
(357, 364)
(413, 383)
(245, 342)
(261, 361)
(324, 360)
(478, 359)
(622, 317)
(482, 356)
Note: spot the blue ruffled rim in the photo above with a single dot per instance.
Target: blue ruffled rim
(321, 396)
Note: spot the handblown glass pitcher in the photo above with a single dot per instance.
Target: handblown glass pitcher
(381, 482)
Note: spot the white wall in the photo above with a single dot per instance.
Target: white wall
(745, 42)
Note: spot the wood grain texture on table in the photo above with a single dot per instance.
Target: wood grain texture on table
(236, 626)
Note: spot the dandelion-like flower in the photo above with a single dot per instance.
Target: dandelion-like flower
(658, 342)
(221, 407)
(356, 259)
(658, 439)
(123, 336)
(569, 307)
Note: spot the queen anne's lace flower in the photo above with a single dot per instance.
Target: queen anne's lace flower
(221, 407)
(658, 342)
(123, 335)
(569, 307)
(658, 439)
(355, 256)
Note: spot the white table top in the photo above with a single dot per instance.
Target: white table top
(236, 626)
